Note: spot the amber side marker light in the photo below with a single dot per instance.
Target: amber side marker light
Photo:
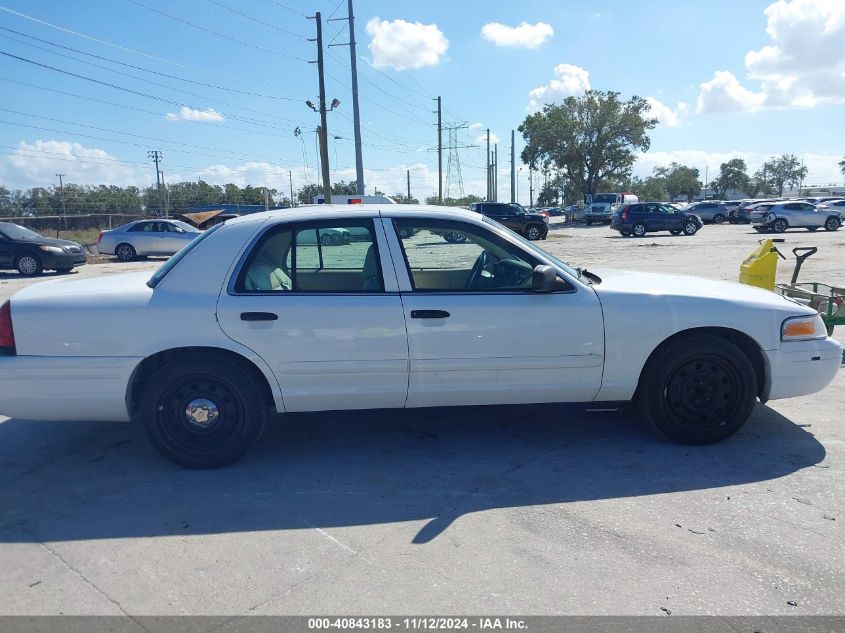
(803, 329)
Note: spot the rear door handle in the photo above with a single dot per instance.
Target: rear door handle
(259, 316)
(429, 314)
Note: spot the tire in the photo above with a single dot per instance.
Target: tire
(675, 231)
(780, 225)
(760, 229)
(64, 271)
(812, 229)
(588, 222)
(697, 389)
(690, 228)
(125, 252)
(176, 406)
(327, 240)
(625, 233)
(29, 265)
(718, 218)
(638, 230)
(533, 233)
(832, 224)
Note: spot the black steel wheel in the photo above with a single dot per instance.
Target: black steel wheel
(203, 412)
(698, 389)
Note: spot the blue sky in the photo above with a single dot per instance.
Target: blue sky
(748, 79)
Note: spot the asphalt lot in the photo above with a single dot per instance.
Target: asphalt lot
(523, 510)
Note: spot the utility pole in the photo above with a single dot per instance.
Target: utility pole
(439, 154)
(290, 177)
(513, 170)
(156, 155)
(62, 195)
(166, 195)
(530, 186)
(488, 166)
(323, 129)
(706, 173)
(408, 174)
(356, 117)
(266, 200)
(496, 172)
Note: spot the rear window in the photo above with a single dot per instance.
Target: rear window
(170, 263)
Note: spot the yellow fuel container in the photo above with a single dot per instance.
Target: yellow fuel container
(759, 268)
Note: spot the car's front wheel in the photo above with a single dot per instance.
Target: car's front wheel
(698, 389)
(203, 412)
(638, 230)
(690, 228)
(832, 224)
(675, 231)
(625, 233)
(779, 226)
(29, 265)
(125, 252)
(533, 233)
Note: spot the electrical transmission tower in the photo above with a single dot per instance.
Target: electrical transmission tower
(454, 180)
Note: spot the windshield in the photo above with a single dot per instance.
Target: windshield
(534, 249)
(15, 232)
(170, 263)
(605, 198)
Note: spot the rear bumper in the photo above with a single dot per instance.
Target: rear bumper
(71, 388)
(801, 368)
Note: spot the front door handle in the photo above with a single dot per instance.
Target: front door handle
(429, 314)
(259, 316)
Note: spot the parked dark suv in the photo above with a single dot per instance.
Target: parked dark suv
(534, 226)
(645, 217)
(30, 253)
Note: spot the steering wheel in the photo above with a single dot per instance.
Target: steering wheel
(484, 260)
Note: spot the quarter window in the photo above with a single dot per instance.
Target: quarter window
(445, 256)
(314, 257)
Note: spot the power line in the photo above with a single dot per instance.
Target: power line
(287, 8)
(142, 68)
(216, 33)
(267, 24)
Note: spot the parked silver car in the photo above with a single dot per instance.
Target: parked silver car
(709, 211)
(779, 216)
(146, 237)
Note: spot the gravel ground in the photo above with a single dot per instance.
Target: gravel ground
(523, 510)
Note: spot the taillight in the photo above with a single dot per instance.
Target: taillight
(625, 213)
(7, 334)
(100, 236)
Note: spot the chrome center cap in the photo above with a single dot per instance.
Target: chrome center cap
(202, 412)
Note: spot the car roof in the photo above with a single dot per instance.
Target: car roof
(333, 211)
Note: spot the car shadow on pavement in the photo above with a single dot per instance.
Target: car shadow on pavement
(77, 481)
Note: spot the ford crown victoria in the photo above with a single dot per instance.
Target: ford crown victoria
(259, 316)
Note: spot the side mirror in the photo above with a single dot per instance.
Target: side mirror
(545, 279)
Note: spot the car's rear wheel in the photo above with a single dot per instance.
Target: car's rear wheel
(29, 265)
(533, 232)
(718, 218)
(625, 233)
(64, 270)
(690, 228)
(125, 252)
(203, 412)
(832, 224)
(638, 230)
(675, 231)
(811, 229)
(779, 226)
(698, 389)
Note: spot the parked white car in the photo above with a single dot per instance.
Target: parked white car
(146, 237)
(780, 216)
(257, 317)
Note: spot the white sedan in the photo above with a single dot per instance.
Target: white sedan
(146, 237)
(259, 316)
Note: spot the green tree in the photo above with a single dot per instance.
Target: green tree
(401, 198)
(455, 202)
(651, 189)
(591, 138)
(680, 180)
(342, 188)
(842, 166)
(783, 170)
(307, 194)
(732, 175)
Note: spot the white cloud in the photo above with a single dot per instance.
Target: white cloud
(801, 67)
(193, 114)
(481, 139)
(405, 45)
(523, 36)
(724, 93)
(36, 165)
(570, 80)
(666, 115)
